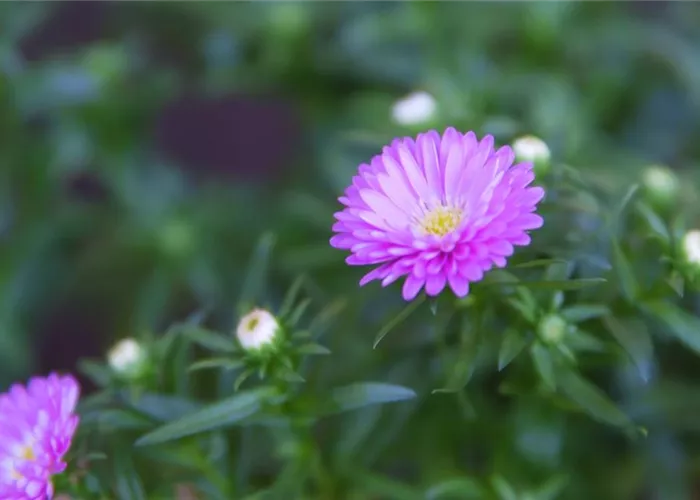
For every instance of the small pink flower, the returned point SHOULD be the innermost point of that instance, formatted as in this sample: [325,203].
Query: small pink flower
[440,210]
[37,423]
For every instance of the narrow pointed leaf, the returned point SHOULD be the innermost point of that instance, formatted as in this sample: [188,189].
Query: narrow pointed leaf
[242,378]
[298,312]
[655,223]
[210,340]
[591,399]
[625,274]
[583,312]
[354,396]
[634,338]
[539,263]
[463,369]
[513,344]
[542,358]
[396,320]
[461,487]
[291,297]
[222,363]
[680,324]
[216,416]
[254,282]
[313,349]
[565,285]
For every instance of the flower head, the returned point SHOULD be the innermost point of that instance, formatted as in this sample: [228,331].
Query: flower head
[439,210]
[661,185]
[37,423]
[128,358]
[534,150]
[257,329]
[415,109]
[691,247]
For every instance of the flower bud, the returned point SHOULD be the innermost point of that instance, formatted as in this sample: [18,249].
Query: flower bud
[257,329]
[533,150]
[128,358]
[690,246]
[417,108]
[552,329]
[660,186]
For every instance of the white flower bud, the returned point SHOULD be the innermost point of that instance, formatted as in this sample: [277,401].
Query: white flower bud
[128,358]
[534,150]
[691,248]
[416,108]
[660,185]
[257,329]
[552,328]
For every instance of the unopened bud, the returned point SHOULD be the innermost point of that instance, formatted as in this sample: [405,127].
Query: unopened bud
[128,358]
[257,329]
[417,108]
[661,186]
[533,150]
[691,249]
[552,329]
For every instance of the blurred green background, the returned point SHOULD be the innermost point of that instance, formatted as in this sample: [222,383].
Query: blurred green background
[146,147]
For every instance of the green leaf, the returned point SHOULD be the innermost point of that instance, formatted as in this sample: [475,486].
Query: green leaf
[565,285]
[591,399]
[242,378]
[542,358]
[98,373]
[623,269]
[463,369]
[539,263]
[298,312]
[460,488]
[682,325]
[359,395]
[223,363]
[504,490]
[376,486]
[583,312]
[513,344]
[580,340]
[634,338]
[655,223]
[313,349]
[619,211]
[210,340]
[161,407]
[127,482]
[118,419]
[552,489]
[396,320]
[257,272]
[291,297]
[215,416]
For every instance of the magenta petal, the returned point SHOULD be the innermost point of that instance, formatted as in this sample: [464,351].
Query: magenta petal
[459,284]
[434,284]
[412,286]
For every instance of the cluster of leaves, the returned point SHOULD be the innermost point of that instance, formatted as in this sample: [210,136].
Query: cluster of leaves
[542,384]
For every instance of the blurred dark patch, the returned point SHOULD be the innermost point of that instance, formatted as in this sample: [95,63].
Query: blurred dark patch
[237,137]
[649,10]
[86,187]
[70,25]
[69,332]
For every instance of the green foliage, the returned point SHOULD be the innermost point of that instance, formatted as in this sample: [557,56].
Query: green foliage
[570,374]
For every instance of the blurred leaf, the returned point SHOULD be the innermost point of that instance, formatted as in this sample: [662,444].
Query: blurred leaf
[460,488]
[298,312]
[463,369]
[634,338]
[210,340]
[682,325]
[98,373]
[542,357]
[623,269]
[396,320]
[116,419]
[583,312]
[291,297]
[219,415]
[552,489]
[127,482]
[504,490]
[619,211]
[361,394]
[257,272]
[575,284]
[385,487]
[591,399]
[513,344]
[655,223]
[162,407]
[313,349]
[223,363]
[539,263]
[242,378]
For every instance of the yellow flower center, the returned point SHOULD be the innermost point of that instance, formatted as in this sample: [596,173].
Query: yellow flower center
[441,220]
[27,453]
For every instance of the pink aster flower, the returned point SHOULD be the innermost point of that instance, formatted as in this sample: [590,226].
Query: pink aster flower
[439,210]
[37,423]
